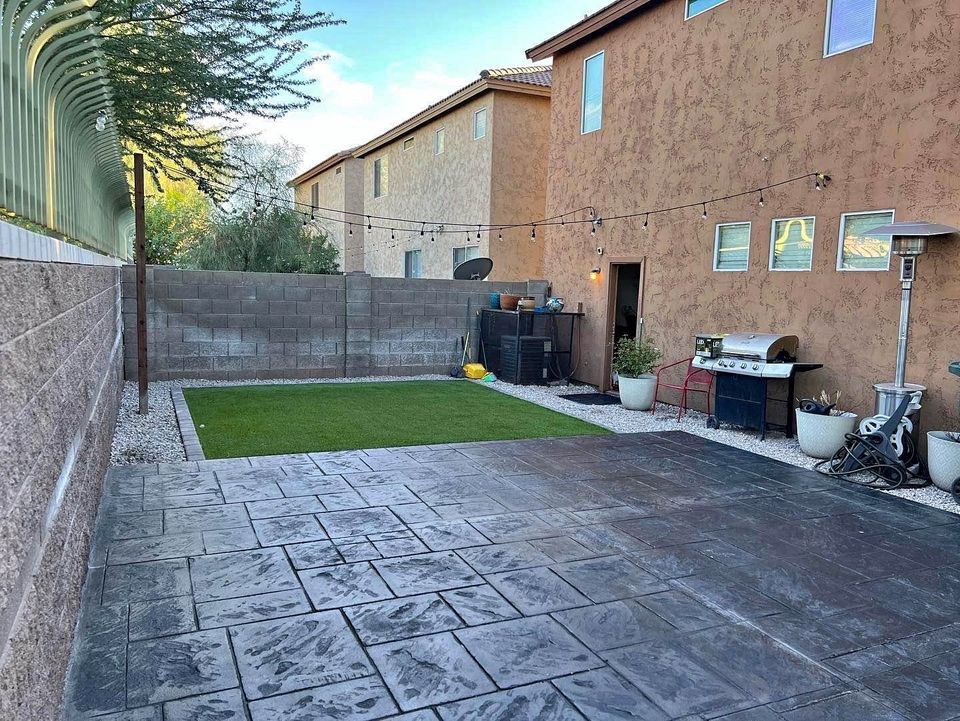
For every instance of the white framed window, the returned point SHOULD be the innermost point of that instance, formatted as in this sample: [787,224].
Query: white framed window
[408,143]
[695,7]
[411,264]
[339,170]
[438,141]
[380,176]
[850,25]
[858,251]
[480,124]
[591,104]
[731,247]
[461,255]
[791,243]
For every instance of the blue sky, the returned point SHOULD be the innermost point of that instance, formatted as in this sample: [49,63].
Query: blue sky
[394,58]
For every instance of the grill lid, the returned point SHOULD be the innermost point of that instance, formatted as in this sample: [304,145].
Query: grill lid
[761,346]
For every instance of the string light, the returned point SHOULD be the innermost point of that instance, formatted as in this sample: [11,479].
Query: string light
[369,224]
[500,235]
[351,229]
[761,198]
[704,216]
[533,232]
[478,232]
[646,221]
[392,236]
[421,228]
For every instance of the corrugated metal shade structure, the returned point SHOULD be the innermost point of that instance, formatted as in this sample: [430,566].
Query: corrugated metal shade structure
[57,168]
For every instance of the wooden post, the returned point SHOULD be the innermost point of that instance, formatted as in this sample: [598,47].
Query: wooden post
[141,260]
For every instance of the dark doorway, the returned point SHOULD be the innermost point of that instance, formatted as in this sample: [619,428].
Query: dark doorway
[624,308]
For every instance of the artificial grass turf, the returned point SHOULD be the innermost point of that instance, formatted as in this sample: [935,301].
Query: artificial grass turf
[234,421]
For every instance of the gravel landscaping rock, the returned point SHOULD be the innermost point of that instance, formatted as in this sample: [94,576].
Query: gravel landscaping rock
[155,438]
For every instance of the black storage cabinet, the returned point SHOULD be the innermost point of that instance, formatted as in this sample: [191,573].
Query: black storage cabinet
[496,326]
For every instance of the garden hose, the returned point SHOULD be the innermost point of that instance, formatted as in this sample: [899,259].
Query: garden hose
[866,454]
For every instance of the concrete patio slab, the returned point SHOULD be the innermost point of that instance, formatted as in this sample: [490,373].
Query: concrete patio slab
[650,576]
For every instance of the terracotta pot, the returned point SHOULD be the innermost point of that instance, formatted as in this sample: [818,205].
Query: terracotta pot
[509,301]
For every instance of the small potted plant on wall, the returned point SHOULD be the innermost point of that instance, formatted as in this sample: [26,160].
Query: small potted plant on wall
[633,361]
[943,458]
[822,426]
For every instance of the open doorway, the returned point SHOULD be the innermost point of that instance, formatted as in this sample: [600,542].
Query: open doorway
[624,309]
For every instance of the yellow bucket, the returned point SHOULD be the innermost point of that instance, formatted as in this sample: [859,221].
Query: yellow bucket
[474,370]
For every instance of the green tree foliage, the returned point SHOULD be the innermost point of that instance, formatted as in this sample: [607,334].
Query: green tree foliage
[177,218]
[185,72]
[272,240]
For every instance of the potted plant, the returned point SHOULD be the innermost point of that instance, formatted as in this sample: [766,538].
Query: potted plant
[633,361]
[822,427]
[943,458]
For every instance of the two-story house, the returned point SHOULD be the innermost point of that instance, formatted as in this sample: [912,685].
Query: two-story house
[664,103]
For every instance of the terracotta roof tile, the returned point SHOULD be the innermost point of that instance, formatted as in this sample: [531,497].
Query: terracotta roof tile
[533,75]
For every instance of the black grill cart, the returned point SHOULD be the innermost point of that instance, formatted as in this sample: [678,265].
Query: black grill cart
[510,342]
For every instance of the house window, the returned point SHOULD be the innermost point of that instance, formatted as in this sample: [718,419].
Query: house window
[466,253]
[850,25]
[438,139]
[380,177]
[859,251]
[695,7]
[339,170]
[315,195]
[791,244]
[411,264]
[480,124]
[731,247]
[591,108]
[407,143]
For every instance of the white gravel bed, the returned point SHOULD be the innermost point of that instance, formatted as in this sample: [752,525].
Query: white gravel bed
[155,438]
[620,420]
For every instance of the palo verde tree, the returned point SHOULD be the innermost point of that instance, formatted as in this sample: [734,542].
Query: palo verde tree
[185,72]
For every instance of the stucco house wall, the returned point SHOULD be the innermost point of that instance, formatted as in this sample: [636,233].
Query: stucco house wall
[340,188]
[521,142]
[739,97]
[452,186]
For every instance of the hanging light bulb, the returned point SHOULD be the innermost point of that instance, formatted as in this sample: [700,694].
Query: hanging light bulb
[646,221]
[305,221]
[422,227]
[593,229]
[761,198]
[478,232]
[500,235]
[704,216]
[351,229]
[369,224]
[533,232]
[256,201]
[392,236]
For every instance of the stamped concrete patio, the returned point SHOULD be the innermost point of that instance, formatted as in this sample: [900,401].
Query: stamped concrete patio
[649,576]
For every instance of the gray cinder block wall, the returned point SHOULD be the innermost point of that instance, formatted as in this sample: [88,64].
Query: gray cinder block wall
[233,325]
[60,378]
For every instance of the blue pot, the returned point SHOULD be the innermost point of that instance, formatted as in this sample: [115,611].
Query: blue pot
[495,301]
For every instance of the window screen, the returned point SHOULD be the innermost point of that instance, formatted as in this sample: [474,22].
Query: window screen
[732,246]
[480,124]
[380,177]
[438,139]
[850,24]
[695,7]
[411,264]
[791,244]
[466,253]
[859,251]
[592,108]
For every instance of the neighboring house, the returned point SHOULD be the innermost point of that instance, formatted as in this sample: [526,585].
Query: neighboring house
[477,156]
[658,103]
[334,188]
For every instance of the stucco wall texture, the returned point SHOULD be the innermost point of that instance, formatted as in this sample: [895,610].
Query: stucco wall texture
[739,97]
[59,390]
[499,178]
[338,191]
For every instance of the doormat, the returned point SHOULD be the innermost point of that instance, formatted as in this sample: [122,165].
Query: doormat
[593,399]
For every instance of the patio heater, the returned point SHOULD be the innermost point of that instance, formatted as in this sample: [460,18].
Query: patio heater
[909,241]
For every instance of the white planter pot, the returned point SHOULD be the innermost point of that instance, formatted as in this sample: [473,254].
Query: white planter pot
[822,436]
[943,459]
[636,394]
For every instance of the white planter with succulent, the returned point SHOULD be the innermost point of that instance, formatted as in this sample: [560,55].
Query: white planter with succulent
[822,430]
[943,458]
[633,361]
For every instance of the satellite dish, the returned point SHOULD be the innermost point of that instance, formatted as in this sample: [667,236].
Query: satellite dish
[473,269]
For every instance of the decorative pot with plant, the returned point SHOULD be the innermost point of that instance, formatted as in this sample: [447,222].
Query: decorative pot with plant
[633,361]
[822,426]
[943,458]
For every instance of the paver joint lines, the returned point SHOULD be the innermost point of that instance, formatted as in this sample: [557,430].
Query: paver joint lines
[646,576]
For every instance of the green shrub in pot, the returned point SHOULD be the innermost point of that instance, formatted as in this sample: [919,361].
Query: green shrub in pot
[633,361]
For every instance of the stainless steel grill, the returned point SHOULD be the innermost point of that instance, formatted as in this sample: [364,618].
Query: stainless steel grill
[762,355]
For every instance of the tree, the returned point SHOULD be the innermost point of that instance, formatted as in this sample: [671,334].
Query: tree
[186,71]
[177,218]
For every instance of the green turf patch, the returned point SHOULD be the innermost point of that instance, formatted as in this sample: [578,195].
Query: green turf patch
[262,420]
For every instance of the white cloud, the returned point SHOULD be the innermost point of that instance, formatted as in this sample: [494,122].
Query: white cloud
[352,112]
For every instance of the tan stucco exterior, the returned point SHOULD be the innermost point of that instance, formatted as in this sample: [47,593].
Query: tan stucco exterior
[499,178]
[739,97]
[340,188]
